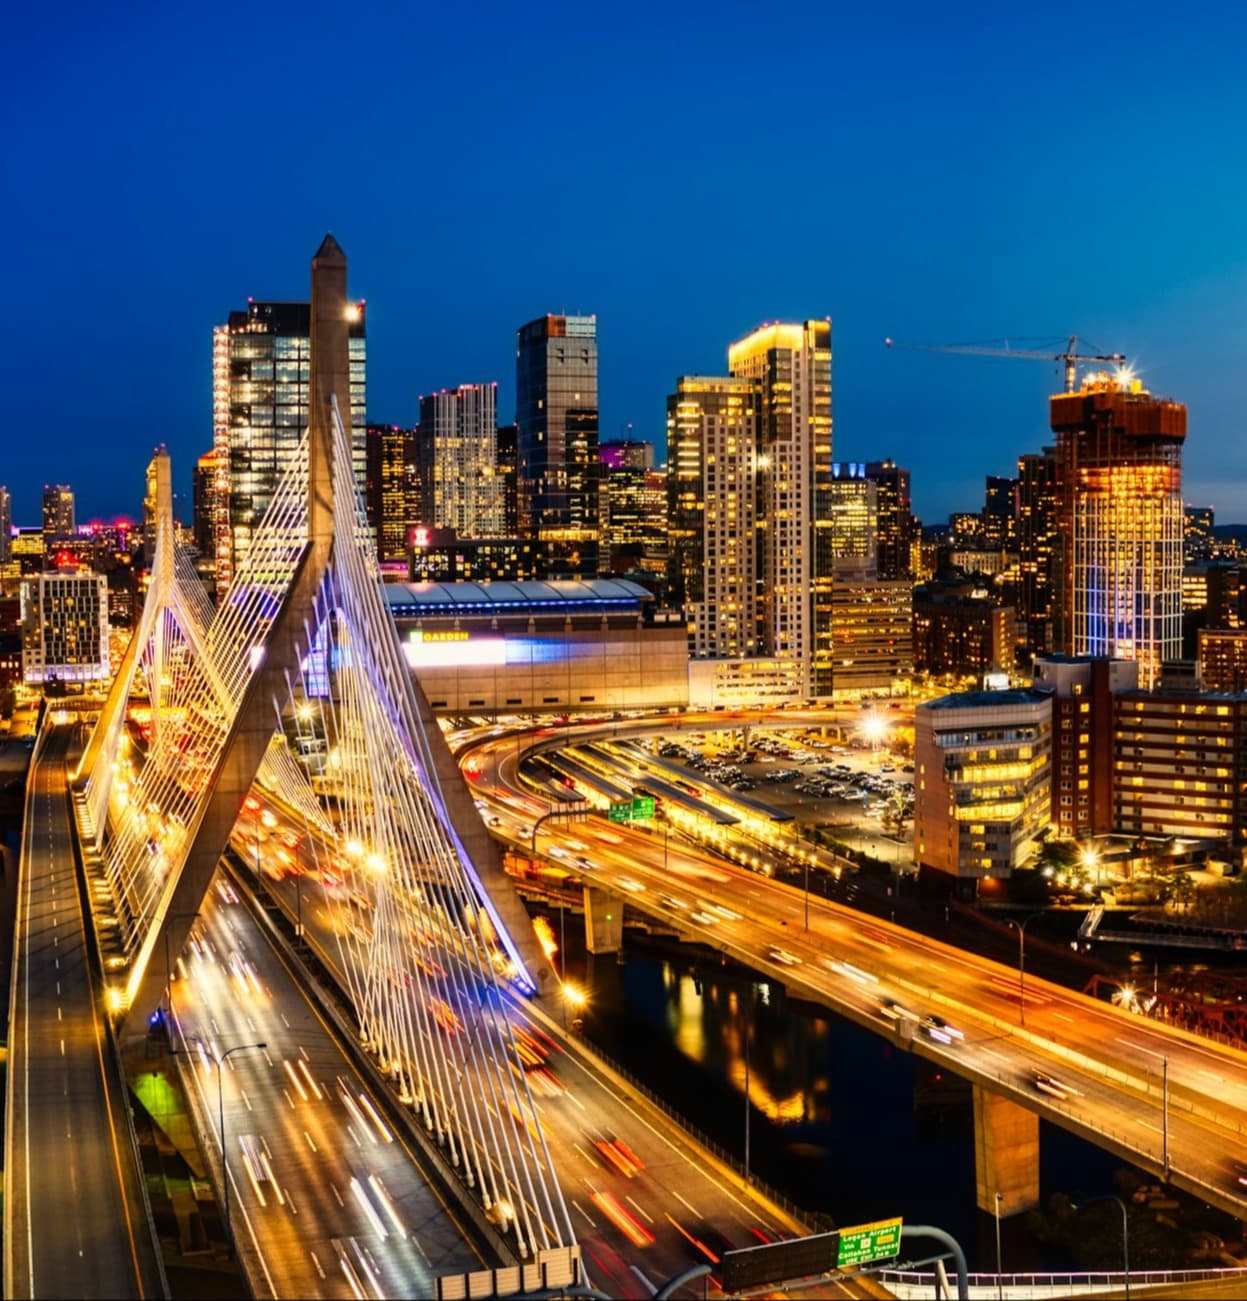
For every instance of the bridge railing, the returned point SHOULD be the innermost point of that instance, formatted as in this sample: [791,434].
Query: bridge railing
[910,1284]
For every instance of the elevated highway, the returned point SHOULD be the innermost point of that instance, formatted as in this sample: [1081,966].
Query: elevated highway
[76,1221]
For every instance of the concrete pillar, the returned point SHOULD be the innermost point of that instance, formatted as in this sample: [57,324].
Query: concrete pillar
[603,921]
[1006,1154]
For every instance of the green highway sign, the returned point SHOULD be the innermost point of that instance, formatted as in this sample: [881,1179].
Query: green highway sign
[862,1244]
[639,809]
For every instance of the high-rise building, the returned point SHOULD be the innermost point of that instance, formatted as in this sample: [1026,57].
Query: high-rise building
[791,364]
[854,522]
[1038,541]
[628,454]
[6,524]
[389,453]
[712,575]
[58,513]
[458,458]
[206,508]
[1198,539]
[556,415]
[1000,513]
[1119,493]
[508,476]
[897,532]
[260,368]
[959,628]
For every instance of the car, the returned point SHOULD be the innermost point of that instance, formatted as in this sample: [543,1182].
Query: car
[935,1027]
[895,1011]
[785,958]
[1049,1084]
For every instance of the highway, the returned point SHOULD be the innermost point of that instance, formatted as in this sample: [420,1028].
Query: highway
[1129,1084]
[646,1201]
[75,1220]
[326,1199]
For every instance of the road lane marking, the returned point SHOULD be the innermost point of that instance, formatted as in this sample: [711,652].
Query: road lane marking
[310,1144]
[687,1203]
[592,1224]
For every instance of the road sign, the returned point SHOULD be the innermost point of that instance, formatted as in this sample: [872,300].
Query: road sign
[862,1244]
[779,1262]
[639,809]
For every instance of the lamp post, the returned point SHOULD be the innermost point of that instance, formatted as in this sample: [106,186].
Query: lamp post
[1164,1106]
[220,1106]
[999,1282]
[1125,1230]
[1020,927]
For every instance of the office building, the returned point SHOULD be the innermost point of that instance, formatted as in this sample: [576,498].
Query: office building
[897,532]
[982,763]
[872,641]
[65,628]
[791,365]
[437,555]
[389,458]
[1000,513]
[712,517]
[556,415]
[6,525]
[854,523]
[627,454]
[260,368]
[1083,690]
[1119,495]
[508,475]
[58,513]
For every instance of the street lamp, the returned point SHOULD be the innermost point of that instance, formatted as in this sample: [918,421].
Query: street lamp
[1020,927]
[220,1106]
[1164,1106]
[1125,1230]
[999,1281]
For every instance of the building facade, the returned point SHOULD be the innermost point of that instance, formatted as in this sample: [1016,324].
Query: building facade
[896,529]
[389,459]
[1119,493]
[872,639]
[791,364]
[65,628]
[58,513]
[712,514]
[1038,543]
[261,360]
[982,770]
[458,459]
[540,647]
[959,628]
[854,523]
[556,416]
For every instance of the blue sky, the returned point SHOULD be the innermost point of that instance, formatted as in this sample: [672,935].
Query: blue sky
[682,171]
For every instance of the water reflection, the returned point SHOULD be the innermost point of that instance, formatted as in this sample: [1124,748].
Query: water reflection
[841,1120]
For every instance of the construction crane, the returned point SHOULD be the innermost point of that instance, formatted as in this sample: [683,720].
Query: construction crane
[1070,357]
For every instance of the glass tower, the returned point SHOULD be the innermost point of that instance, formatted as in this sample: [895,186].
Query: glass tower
[261,361]
[556,413]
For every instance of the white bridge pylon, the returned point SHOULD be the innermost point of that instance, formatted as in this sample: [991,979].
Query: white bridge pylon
[295,692]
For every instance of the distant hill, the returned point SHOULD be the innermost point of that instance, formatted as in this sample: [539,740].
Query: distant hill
[1230,532]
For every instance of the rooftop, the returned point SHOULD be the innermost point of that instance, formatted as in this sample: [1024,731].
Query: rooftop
[988,699]
[498,597]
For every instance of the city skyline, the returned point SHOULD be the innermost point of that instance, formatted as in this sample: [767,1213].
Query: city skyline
[929,199]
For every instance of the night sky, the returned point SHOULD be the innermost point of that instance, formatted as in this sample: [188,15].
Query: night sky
[683,171]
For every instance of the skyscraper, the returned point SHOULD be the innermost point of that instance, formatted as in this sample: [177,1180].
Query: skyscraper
[261,360]
[58,513]
[1039,542]
[1119,495]
[458,457]
[390,454]
[854,523]
[207,515]
[556,414]
[6,525]
[896,520]
[712,449]
[791,363]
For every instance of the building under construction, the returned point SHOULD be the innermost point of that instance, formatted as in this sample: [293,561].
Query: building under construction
[1119,503]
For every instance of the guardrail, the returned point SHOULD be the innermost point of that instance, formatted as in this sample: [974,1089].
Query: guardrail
[910,1284]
